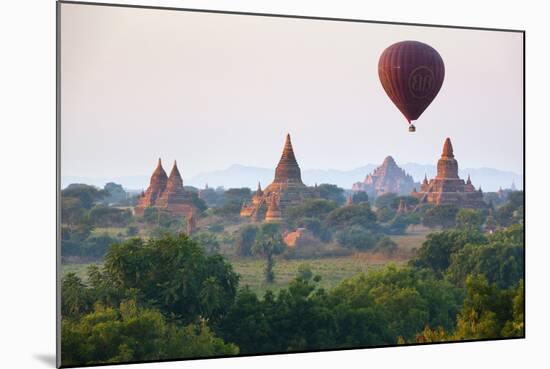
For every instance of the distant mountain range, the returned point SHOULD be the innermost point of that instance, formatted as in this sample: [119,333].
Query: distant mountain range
[242,176]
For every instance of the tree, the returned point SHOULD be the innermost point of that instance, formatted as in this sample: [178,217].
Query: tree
[315,226]
[386,200]
[312,208]
[233,200]
[174,274]
[482,313]
[245,240]
[440,216]
[356,237]
[107,216]
[75,299]
[469,219]
[331,192]
[72,211]
[437,249]
[500,260]
[402,300]
[399,224]
[212,197]
[385,214]
[95,246]
[305,272]
[512,211]
[162,218]
[208,241]
[386,246]
[347,216]
[114,193]
[360,197]
[130,333]
[88,195]
[268,243]
[516,326]
[193,197]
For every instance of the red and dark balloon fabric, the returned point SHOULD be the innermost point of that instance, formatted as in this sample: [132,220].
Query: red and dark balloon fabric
[411,73]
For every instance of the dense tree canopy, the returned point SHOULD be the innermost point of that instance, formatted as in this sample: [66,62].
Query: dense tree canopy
[314,208]
[174,275]
[354,215]
[330,192]
[129,333]
[440,216]
[88,195]
[500,260]
[436,251]
[386,200]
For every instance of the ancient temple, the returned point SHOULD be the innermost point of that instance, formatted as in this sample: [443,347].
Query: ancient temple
[166,193]
[447,187]
[388,177]
[156,187]
[286,189]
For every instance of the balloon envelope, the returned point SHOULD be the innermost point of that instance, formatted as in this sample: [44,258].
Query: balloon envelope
[411,73]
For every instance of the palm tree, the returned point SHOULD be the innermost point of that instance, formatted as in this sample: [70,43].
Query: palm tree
[269,242]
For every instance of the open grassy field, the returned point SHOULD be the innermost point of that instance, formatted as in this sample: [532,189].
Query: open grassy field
[331,269]
[116,232]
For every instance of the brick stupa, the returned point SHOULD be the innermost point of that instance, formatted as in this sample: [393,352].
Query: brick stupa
[447,187]
[388,177]
[166,193]
[287,187]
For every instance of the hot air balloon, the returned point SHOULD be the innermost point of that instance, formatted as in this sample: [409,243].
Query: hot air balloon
[411,73]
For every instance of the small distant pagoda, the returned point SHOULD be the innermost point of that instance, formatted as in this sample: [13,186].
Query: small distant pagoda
[166,193]
[273,213]
[286,189]
[447,187]
[403,208]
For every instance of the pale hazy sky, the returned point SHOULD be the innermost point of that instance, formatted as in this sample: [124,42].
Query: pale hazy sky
[212,90]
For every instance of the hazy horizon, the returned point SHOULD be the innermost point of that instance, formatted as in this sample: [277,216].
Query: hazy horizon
[214,90]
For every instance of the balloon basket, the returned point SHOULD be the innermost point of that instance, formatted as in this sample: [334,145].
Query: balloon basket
[412,128]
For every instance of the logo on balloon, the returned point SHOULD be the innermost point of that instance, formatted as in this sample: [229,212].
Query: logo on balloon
[421,82]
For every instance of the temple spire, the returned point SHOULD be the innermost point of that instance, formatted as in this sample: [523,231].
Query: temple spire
[447,166]
[447,149]
[175,173]
[469,181]
[159,173]
[389,161]
[288,170]
[288,151]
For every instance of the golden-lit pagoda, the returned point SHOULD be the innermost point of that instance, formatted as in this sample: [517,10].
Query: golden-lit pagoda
[286,189]
[166,193]
[447,187]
